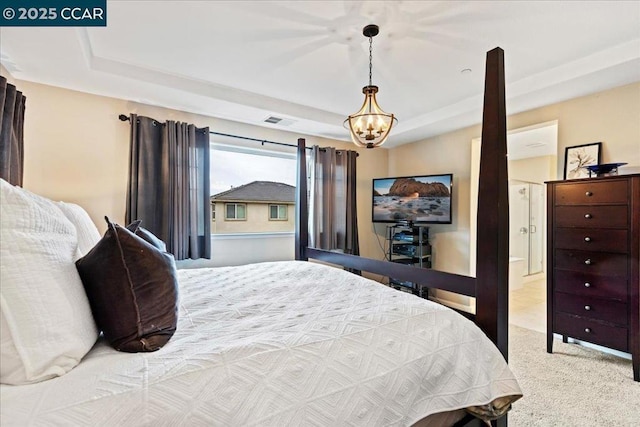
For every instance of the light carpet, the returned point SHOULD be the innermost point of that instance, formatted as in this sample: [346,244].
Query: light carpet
[574,386]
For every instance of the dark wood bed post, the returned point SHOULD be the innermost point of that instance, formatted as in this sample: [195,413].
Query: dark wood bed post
[492,260]
[302,213]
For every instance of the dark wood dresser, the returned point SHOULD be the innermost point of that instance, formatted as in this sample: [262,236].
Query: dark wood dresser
[593,257]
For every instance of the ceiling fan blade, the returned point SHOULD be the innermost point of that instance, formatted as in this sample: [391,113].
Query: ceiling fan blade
[274,10]
[281,34]
[352,7]
[454,41]
[444,12]
[293,54]
[359,62]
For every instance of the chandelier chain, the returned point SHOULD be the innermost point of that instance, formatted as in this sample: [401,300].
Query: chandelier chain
[370,57]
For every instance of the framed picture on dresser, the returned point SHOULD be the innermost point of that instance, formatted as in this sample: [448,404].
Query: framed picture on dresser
[576,159]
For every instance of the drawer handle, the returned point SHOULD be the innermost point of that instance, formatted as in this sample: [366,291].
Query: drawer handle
[588,216]
[587,330]
[587,307]
[587,285]
[587,239]
[588,194]
[587,261]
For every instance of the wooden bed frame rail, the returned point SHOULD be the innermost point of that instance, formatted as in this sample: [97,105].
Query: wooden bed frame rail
[432,278]
[490,287]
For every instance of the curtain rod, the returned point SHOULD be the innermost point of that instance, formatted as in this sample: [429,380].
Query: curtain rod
[262,141]
[125,118]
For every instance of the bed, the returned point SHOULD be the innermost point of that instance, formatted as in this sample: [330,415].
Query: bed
[302,343]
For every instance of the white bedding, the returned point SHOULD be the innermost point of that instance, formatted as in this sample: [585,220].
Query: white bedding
[285,343]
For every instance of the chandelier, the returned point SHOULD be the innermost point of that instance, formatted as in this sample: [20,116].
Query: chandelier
[370,126]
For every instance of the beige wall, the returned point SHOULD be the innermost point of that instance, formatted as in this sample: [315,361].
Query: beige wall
[533,169]
[611,116]
[449,153]
[257,220]
[77,150]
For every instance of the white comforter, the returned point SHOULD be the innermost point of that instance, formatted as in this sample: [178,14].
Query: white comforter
[275,344]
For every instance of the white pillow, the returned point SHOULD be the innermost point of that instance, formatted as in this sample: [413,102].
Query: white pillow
[88,234]
[43,306]
[12,367]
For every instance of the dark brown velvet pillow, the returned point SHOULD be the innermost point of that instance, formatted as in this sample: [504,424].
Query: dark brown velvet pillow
[132,287]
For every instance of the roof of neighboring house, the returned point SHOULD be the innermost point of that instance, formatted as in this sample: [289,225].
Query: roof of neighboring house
[258,191]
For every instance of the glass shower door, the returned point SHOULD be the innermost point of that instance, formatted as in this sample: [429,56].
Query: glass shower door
[536,228]
[526,210]
[519,223]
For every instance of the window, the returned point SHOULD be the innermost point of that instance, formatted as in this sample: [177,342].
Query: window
[235,211]
[213,212]
[278,212]
[252,187]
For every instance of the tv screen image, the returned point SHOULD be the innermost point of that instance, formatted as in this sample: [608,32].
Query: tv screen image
[421,199]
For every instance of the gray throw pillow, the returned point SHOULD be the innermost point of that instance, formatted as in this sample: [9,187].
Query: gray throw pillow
[132,287]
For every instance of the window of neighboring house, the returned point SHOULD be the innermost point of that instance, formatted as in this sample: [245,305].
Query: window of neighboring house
[213,212]
[278,212]
[235,211]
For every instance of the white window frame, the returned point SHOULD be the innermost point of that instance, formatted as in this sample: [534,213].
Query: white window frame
[235,210]
[278,206]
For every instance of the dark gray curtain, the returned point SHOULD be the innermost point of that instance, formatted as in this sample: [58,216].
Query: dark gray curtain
[333,219]
[169,184]
[12,106]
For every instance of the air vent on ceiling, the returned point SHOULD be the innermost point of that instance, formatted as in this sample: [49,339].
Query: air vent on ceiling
[279,121]
[272,119]
[535,144]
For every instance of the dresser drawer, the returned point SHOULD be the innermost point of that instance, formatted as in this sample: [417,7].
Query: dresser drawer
[593,308]
[602,263]
[592,216]
[592,192]
[591,330]
[574,282]
[588,239]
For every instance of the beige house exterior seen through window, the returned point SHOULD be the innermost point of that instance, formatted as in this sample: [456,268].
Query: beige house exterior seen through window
[257,207]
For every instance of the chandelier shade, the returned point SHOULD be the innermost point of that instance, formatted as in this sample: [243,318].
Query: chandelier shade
[370,126]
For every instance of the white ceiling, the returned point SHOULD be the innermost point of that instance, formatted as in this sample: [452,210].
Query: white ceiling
[307,61]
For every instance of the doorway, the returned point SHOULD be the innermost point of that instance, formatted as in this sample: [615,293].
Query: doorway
[533,160]
[532,153]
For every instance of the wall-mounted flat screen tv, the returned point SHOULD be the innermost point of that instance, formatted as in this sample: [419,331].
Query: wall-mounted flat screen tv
[424,199]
